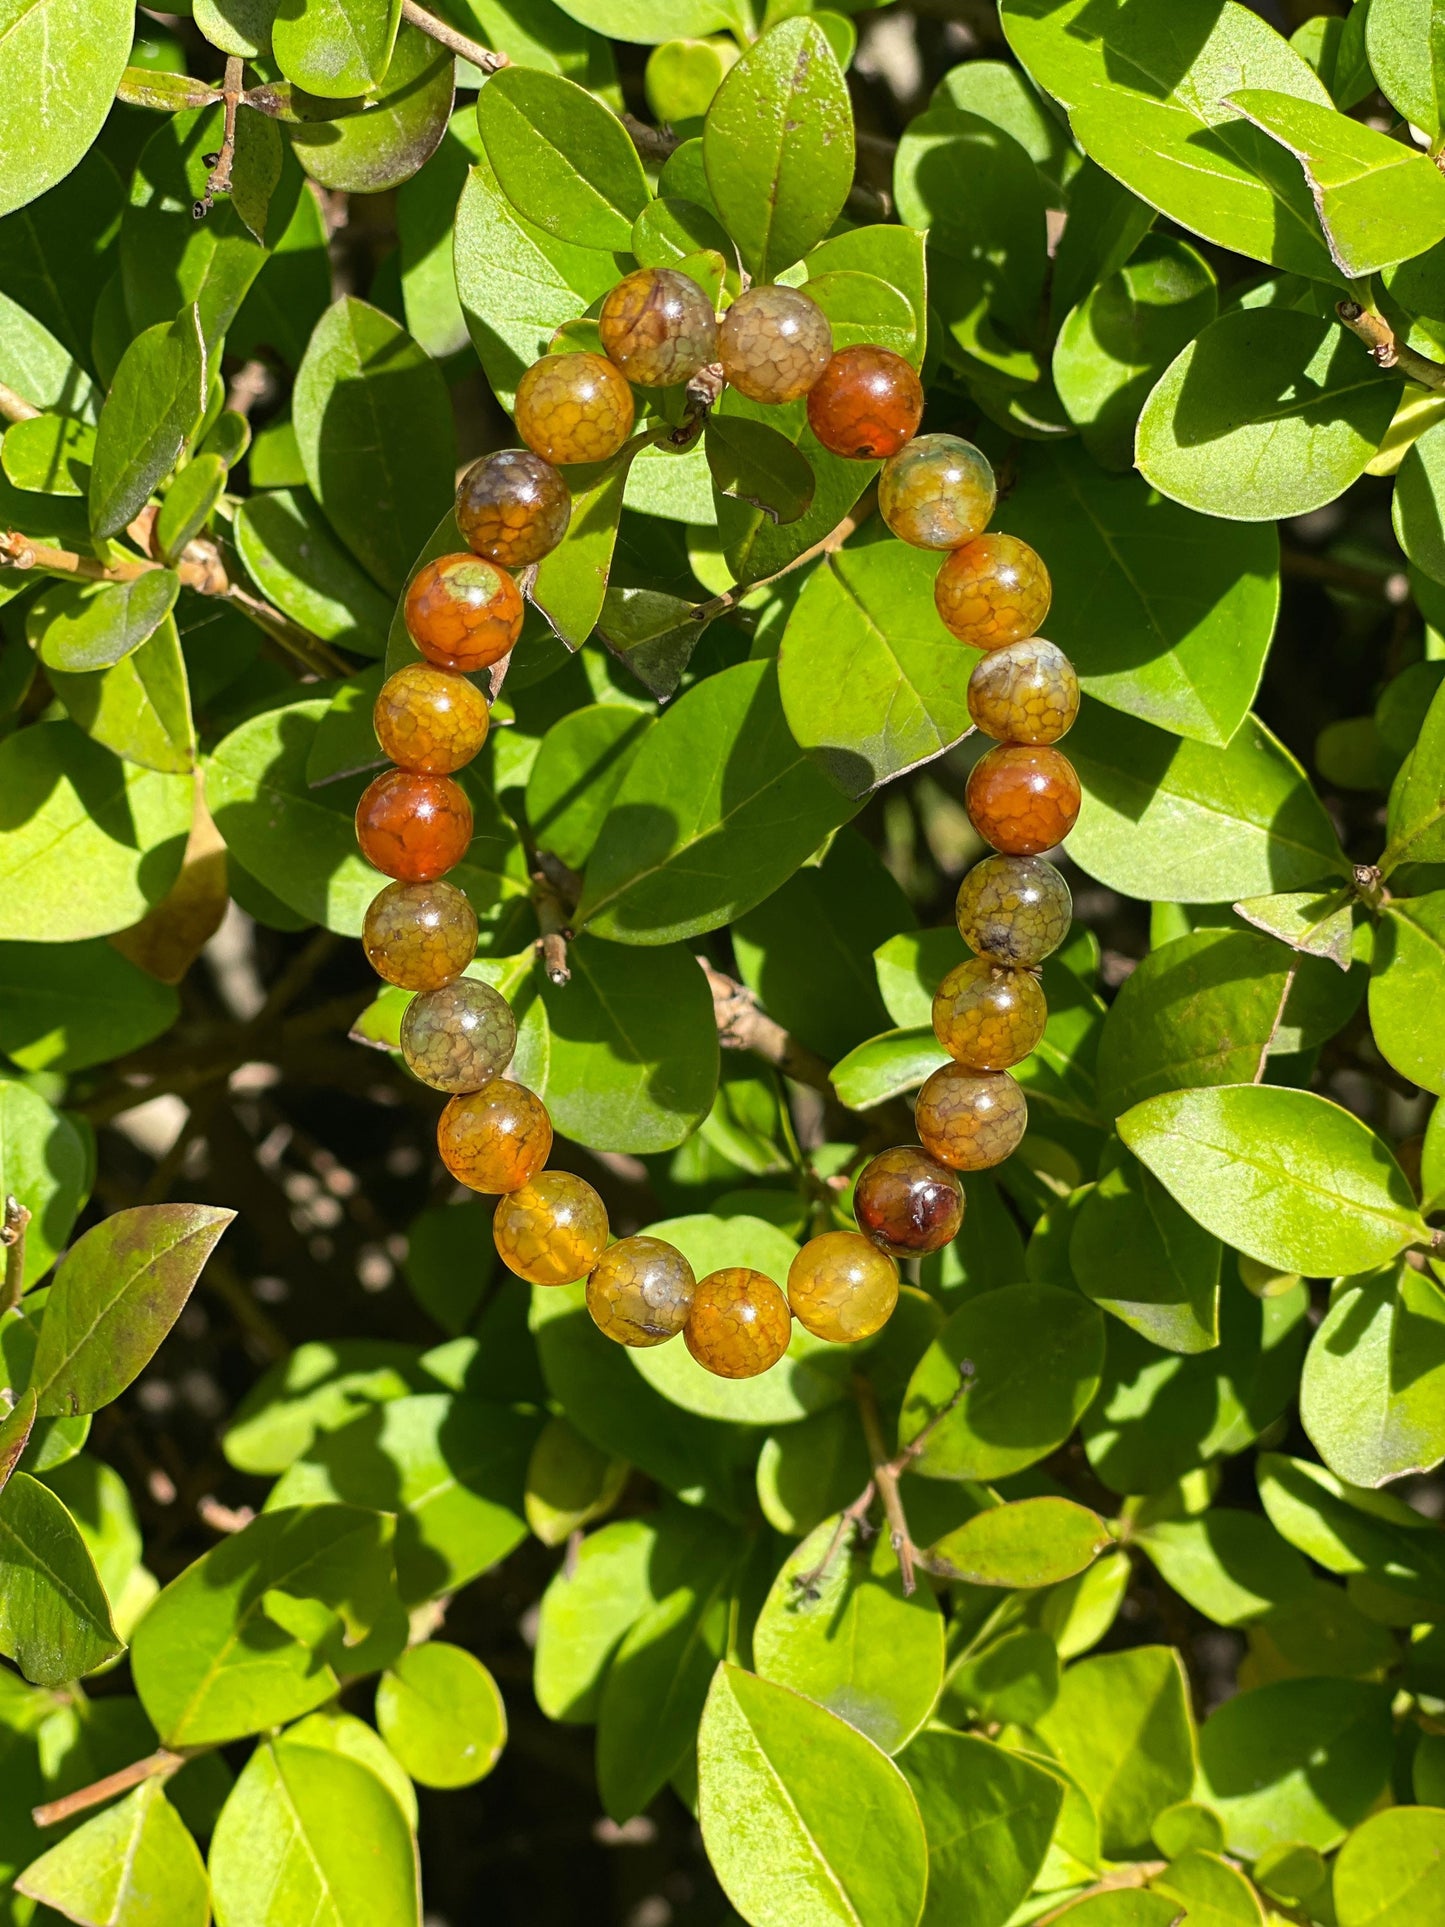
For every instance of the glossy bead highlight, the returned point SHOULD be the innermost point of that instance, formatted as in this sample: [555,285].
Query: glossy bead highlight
[411,827]
[463,612]
[866,404]
[512,507]
[1014,908]
[1022,800]
[908,1203]
[739,1324]
[420,935]
[842,1287]
[640,1291]
[993,591]
[1026,692]
[987,1016]
[495,1139]
[551,1231]
[938,492]
[970,1120]
[658,327]
[774,343]
[574,408]
[460,1037]
[430,721]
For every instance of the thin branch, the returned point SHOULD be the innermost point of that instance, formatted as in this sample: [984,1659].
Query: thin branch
[855,1517]
[555,890]
[1380,585]
[830,544]
[1386,348]
[742,1024]
[15,408]
[1266,1046]
[159,1765]
[885,1477]
[1138,1874]
[448,37]
[653,143]
[219,180]
[12,1237]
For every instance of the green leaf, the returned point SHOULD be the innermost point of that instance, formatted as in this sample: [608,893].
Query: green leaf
[131,1866]
[57,288]
[286,300]
[190,502]
[871,681]
[311,1834]
[316,1388]
[569,1482]
[1286,1176]
[778,146]
[1372,1397]
[1182,822]
[718,807]
[334,1732]
[1269,412]
[44,1162]
[374,426]
[1299,1759]
[334,49]
[1416,820]
[1231,1566]
[1405,40]
[115,1296]
[1025,1544]
[988,1816]
[793,1800]
[1105,225]
[297,563]
[1379,200]
[1388,1871]
[1036,1352]
[54,1620]
[82,626]
[1215,1893]
[650,22]
[375,150]
[755,464]
[576,773]
[1122,1727]
[140,707]
[154,407]
[571,583]
[87,843]
[563,160]
[1127,1909]
[440,1713]
[15,1430]
[58,74]
[1319,923]
[1419,488]
[589,1604]
[1407,985]
[49,454]
[1346,1529]
[426,206]
[1138,1255]
[852,1640]
[211,1658]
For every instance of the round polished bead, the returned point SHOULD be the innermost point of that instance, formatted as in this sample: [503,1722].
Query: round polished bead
[551,1231]
[774,343]
[1014,908]
[1021,799]
[970,1120]
[658,327]
[640,1291]
[938,492]
[907,1202]
[739,1324]
[512,507]
[495,1139]
[866,404]
[420,935]
[460,1037]
[842,1287]
[574,408]
[994,590]
[430,720]
[1026,692]
[987,1016]
[463,612]
[413,827]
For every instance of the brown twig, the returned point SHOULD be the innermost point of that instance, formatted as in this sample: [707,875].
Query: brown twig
[219,180]
[12,1237]
[159,1765]
[854,1517]
[885,1477]
[15,408]
[1138,1874]
[1386,348]
[554,897]
[742,1024]
[830,544]
[653,143]
[448,37]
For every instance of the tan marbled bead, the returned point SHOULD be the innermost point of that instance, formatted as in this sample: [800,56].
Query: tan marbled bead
[1014,908]
[1026,692]
[573,408]
[640,1291]
[420,935]
[987,1016]
[739,1324]
[495,1139]
[993,591]
[659,327]
[774,343]
[460,1037]
[842,1287]
[970,1120]
[1023,799]
[430,720]
[551,1231]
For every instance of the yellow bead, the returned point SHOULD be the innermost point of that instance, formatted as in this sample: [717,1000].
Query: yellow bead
[842,1287]
[739,1324]
[641,1291]
[551,1231]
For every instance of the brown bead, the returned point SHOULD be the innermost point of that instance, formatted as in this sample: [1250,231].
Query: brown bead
[512,507]
[1026,692]
[574,408]
[413,827]
[1021,799]
[774,343]
[1014,908]
[658,327]
[842,1287]
[420,935]
[867,403]
[908,1203]
[463,612]
[460,1037]
[495,1139]
[551,1231]
[970,1120]
[993,591]
[988,1016]
[430,720]
[640,1291]
[739,1324]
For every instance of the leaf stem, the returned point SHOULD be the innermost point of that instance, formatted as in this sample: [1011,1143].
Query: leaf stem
[15,408]
[219,179]
[12,1237]
[159,1765]
[833,541]
[1386,348]
[1137,1874]
[448,37]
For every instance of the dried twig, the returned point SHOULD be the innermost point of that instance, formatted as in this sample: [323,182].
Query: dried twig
[742,1024]
[15,408]
[159,1765]
[219,180]
[12,1237]
[1387,349]
[448,37]
[853,1518]
[555,890]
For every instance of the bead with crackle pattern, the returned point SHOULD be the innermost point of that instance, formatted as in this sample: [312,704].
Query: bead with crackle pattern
[987,1016]
[460,1037]
[866,404]
[739,1324]
[907,1202]
[429,720]
[842,1287]
[1026,692]
[512,507]
[659,327]
[413,827]
[1015,908]
[938,492]
[495,1139]
[994,590]
[970,1120]
[574,408]
[420,935]
[774,343]
[1022,799]
[640,1291]
[551,1231]
[463,612]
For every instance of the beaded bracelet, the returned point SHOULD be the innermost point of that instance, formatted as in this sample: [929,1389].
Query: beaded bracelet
[464,613]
